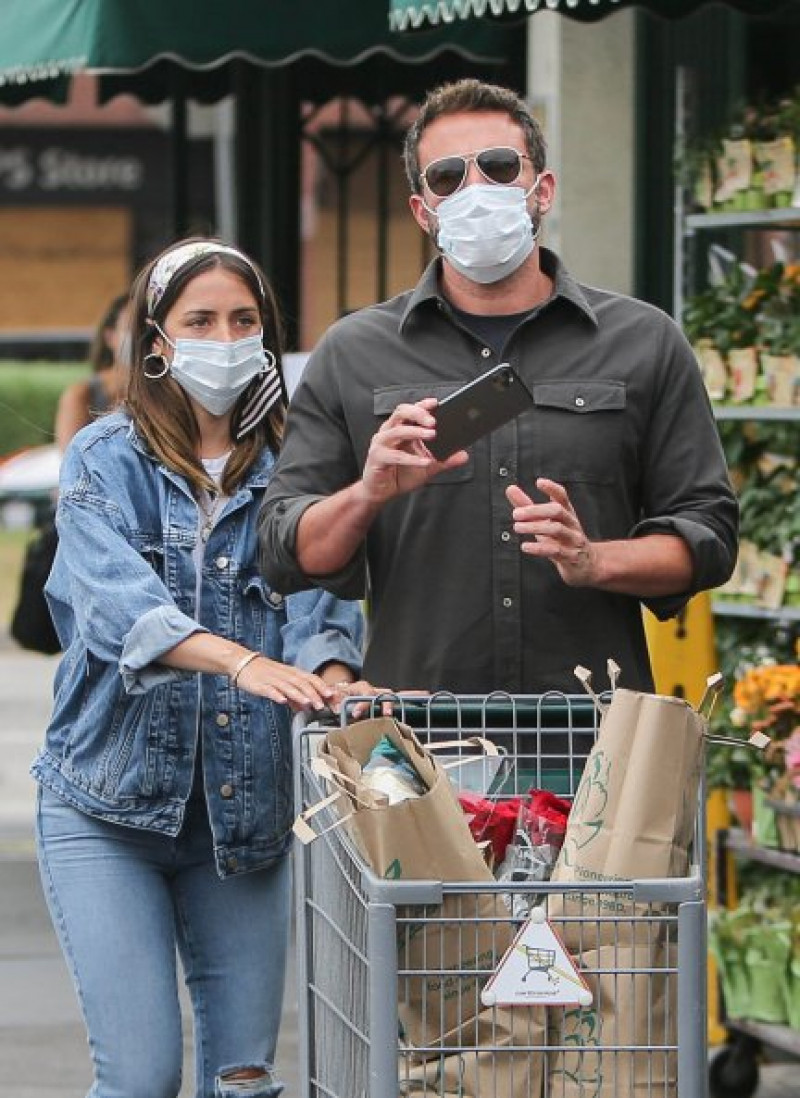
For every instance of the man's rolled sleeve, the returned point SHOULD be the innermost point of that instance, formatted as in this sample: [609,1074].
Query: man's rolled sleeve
[155,633]
[713,557]
[277,536]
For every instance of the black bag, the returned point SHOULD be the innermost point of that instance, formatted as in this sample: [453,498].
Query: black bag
[32,625]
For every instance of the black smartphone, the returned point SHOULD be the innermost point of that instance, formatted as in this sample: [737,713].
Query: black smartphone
[478,408]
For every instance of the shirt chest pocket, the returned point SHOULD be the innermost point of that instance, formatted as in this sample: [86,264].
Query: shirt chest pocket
[579,432]
[386,400]
[151,548]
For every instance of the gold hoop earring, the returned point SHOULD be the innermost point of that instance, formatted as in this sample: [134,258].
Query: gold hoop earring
[164,363]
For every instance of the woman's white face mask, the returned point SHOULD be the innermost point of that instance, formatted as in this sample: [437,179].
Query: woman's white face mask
[216,373]
[485,230]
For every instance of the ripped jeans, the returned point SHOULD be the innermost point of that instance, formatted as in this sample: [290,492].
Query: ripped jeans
[122,900]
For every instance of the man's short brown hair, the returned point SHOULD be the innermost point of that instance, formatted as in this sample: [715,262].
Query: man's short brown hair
[471,95]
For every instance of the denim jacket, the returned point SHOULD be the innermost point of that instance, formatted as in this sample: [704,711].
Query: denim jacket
[122,741]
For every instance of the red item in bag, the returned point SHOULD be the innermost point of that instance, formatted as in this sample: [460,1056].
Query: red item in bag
[546,815]
[491,820]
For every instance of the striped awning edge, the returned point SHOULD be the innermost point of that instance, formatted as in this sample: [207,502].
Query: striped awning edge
[410,14]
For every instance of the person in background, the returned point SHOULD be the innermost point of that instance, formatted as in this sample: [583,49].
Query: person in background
[165,803]
[80,403]
[503,567]
[83,401]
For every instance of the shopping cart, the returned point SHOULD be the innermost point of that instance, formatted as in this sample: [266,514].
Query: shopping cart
[540,960]
[640,945]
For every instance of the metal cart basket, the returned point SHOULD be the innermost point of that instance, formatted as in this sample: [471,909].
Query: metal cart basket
[640,945]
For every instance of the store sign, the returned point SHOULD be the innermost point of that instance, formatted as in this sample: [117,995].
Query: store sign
[57,169]
[43,166]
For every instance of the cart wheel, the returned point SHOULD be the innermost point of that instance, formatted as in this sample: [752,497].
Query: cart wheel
[734,1070]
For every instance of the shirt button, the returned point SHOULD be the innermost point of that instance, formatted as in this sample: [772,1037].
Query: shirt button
[223,720]
[507,603]
[486,352]
[221,563]
[275,599]
[579,402]
[226,791]
[502,471]
[505,536]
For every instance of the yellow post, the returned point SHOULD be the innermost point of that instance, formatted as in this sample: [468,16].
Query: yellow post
[682,650]
[683,655]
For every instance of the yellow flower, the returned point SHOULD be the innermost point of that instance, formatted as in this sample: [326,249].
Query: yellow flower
[752,299]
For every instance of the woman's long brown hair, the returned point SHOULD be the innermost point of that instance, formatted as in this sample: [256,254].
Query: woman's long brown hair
[161,409]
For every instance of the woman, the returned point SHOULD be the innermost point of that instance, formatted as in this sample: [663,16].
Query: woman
[165,804]
[82,402]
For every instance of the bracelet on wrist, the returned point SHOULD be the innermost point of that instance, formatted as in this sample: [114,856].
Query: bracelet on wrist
[240,666]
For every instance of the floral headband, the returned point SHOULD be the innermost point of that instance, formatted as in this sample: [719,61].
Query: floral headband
[169,264]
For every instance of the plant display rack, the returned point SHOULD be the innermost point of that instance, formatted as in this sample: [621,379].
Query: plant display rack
[734,1072]
[735,1067]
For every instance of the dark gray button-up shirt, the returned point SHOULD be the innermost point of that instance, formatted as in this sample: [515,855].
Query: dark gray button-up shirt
[620,418]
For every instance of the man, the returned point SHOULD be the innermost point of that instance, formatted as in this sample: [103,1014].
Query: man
[503,567]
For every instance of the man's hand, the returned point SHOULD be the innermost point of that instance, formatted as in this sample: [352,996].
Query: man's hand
[398,460]
[552,530]
[332,530]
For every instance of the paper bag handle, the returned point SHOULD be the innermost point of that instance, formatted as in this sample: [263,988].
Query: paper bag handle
[486,746]
[303,829]
[489,750]
[714,684]
[584,677]
[323,769]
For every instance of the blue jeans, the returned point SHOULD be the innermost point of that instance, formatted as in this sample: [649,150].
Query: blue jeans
[121,900]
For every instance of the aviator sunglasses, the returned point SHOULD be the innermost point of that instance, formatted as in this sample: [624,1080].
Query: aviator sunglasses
[499,165]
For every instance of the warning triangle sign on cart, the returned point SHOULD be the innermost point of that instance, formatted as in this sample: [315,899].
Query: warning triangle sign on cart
[536,970]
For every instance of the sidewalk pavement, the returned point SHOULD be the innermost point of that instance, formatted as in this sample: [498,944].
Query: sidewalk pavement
[42,1041]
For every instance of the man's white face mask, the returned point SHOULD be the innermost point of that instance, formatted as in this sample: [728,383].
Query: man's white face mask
[485,230]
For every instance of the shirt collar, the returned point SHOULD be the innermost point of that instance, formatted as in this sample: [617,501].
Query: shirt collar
[564,285]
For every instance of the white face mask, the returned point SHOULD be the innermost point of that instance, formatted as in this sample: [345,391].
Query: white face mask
[485,230]
[216,373]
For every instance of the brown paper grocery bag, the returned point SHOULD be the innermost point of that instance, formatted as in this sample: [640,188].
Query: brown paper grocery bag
[425,837]
[625,1042]
[633,815]
[504,1060]
[441,949]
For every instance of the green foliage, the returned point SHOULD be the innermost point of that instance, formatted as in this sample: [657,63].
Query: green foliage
[29,393]
[759,122]
[719,314]
[775,298]
[763,460]
[760,971]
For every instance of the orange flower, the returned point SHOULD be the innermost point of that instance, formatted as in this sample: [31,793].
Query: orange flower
[752,300]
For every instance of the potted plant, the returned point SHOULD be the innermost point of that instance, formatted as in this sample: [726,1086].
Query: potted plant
[767,699]
[778,321]
[721,320]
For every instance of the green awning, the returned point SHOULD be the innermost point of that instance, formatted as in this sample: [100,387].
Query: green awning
[42,42]
[413,14]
